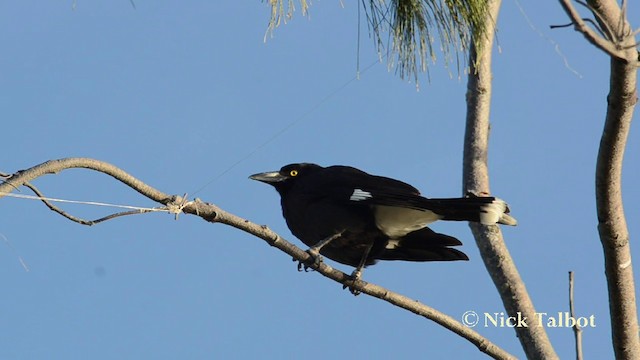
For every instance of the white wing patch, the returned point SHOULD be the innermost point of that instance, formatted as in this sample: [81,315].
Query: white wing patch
[359,195]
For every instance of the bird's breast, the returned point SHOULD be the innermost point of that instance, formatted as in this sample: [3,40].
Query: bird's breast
[316,220]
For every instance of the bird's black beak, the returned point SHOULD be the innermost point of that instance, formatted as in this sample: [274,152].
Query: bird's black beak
[271,177]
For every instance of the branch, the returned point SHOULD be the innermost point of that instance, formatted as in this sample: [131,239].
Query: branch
[577,331]
[490,242]
[590,21]
[80,220]
[612,226]
[611,44]
[214,214]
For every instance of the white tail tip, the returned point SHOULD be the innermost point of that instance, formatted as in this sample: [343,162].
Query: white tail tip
[497,212]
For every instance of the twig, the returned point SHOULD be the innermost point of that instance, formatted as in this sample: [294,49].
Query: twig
[77,219]
[577,331]
[605,30]
[590,21]
[214,214]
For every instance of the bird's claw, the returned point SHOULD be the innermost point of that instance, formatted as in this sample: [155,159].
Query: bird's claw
[314,262]
[356,275]
[303,267]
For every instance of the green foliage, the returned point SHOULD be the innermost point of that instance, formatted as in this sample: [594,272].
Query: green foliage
[411,28]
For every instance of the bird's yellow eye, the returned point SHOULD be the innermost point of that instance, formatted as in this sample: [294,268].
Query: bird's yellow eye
[293,173]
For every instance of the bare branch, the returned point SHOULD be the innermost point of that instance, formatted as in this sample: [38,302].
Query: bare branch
[489,239]
[77,219]
[606,30]
[55,208]
[612,226]
[120,214]
[214,214]
[577,331]
[54,166]
[590,21]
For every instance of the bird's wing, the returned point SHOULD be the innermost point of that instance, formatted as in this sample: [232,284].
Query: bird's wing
[348,184]
[343,184]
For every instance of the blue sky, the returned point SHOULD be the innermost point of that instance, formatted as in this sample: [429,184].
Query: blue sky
[182,96]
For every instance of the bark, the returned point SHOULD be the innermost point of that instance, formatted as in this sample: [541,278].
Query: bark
[612,225]
[619,43]
[493,250]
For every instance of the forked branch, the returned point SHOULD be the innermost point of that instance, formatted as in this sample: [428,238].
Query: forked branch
[616,39]
[612,226]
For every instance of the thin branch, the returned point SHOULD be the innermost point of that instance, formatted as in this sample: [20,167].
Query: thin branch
[595,25]
[120,214]
[493,250]
[623,17]
[55,208]
[606,30]
[590,21]
[80,220]
[214,214]
[577,331]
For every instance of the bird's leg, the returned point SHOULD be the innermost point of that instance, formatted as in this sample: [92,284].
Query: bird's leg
[314,251]
[357,273]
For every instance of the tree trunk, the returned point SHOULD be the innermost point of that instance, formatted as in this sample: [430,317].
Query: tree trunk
[494,253]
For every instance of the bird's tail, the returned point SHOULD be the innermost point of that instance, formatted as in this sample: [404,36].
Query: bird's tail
[423,245]
[483,209]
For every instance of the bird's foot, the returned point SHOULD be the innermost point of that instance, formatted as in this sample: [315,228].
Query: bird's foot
[315,261]
[356,275]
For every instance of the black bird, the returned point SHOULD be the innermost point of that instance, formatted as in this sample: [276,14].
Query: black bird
[356,218]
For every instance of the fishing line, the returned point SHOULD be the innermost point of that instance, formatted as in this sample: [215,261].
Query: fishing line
[286,127]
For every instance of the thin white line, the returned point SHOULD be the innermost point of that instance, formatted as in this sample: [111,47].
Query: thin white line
[33,197]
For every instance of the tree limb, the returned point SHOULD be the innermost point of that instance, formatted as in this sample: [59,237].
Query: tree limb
[489,239]
[612,226]
[214,214]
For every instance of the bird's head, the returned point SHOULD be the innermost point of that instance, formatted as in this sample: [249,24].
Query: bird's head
[286,176]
